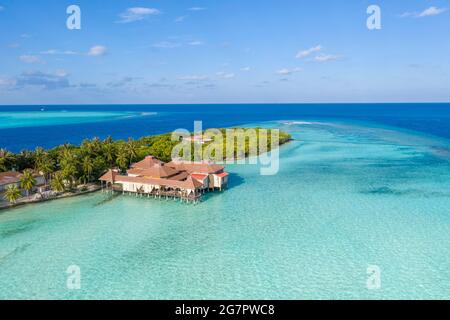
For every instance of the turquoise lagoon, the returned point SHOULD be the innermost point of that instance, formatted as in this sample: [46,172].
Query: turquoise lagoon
[42,118]
[348,195]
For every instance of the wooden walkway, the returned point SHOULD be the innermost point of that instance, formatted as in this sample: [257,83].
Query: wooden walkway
[160,194]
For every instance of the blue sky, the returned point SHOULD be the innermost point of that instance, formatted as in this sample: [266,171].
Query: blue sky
[223,51]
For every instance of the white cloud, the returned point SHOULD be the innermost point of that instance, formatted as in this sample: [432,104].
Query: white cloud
[166,45]
[196,9]
[137,14]
[69,52]
[30,59]
[7,82]
[125,81]
[408,14]
[432,11]
[285,71]
[58,52]
[307,53]
[225,75]
[246,69]
[97,51]
[48,81]
[196,43]
[176,43]
[326,57]
[319,56]
[180,19]
[50,51]
[61,73]
[193,78]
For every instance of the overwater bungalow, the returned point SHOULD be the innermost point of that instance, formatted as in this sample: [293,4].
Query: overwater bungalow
[176,179]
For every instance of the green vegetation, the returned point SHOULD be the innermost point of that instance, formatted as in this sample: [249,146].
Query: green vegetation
[12,194]
[27,181]
[57,182]
[250,144]
[68,165]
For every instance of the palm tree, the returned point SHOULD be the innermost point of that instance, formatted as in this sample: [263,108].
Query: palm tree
[87,147]
[96,145]
[6,154]
[88,168]
[43,162]
[69,165]
[46,166]
[12,194]
[66,146]
[25,159]
[3,152]
[69,171]
[39,155]
[109,152]
[65,151]
[131,148]
[108,140]
[122,159]
[3,165]
[27,181]
[7,159]
[58,182]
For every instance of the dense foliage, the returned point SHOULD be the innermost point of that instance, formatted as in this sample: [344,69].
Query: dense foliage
[67,165]
[244,143]
[12,194]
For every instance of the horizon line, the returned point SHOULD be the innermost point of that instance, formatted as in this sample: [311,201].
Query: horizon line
[213,103]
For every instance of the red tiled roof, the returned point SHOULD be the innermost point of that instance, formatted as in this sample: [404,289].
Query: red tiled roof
[223,174]
[199,176]
[192,183]
[109,176]
[147,163]
[195,167]
[180,177]
[10,177]
[157,171]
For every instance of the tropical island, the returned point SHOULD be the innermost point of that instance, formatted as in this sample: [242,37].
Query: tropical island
[69,170]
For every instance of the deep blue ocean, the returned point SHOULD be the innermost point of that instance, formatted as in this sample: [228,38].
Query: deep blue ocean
[139,120]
